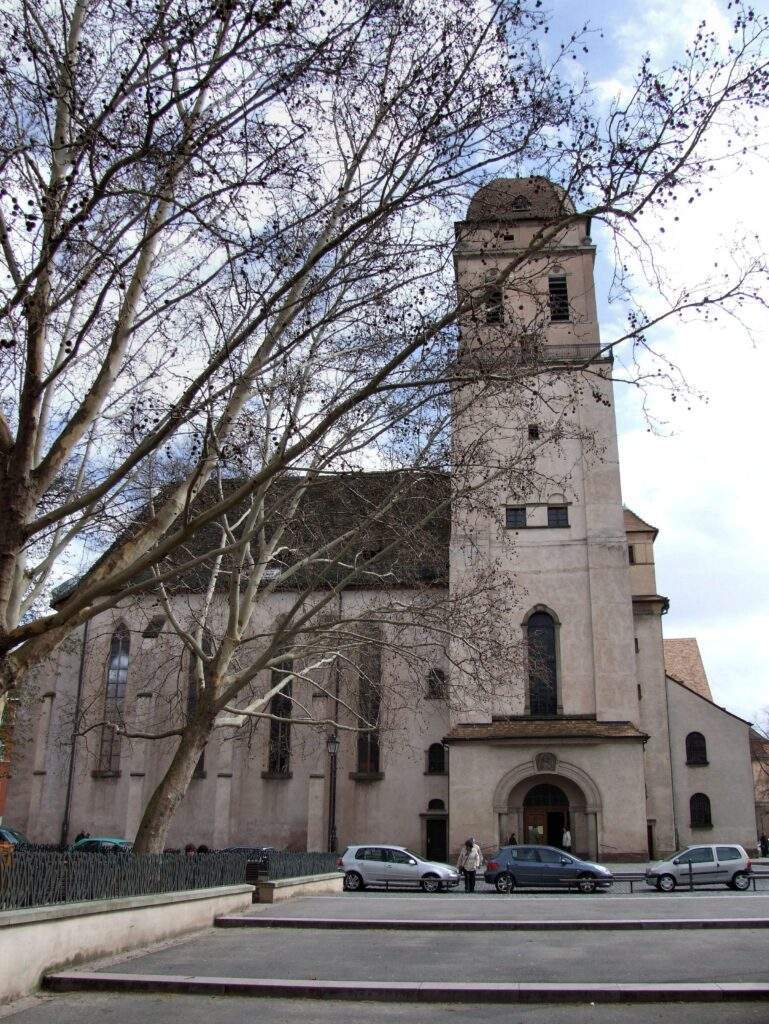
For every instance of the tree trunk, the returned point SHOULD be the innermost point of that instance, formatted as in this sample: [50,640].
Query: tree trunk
[172,788]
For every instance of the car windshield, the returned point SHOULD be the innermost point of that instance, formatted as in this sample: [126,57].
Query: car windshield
[416,856]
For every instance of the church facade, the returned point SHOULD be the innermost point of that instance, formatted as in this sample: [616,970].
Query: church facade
[612,732]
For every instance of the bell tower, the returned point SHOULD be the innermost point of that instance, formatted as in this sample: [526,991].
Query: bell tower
[535,432]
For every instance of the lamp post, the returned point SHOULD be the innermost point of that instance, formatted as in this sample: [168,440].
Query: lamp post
[332,745]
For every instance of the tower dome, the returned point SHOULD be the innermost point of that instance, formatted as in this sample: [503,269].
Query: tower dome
[507,199]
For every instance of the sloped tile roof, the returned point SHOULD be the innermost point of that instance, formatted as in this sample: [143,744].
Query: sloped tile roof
[683,663]
[634,523]
[545,729]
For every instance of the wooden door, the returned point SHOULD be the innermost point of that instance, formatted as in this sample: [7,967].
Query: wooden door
[435,839]
[534,826]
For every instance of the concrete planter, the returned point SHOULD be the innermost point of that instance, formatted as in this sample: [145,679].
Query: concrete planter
[37,940]
[308,885]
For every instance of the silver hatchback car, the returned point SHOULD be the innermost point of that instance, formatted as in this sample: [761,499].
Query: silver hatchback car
[710,864]
[393,866]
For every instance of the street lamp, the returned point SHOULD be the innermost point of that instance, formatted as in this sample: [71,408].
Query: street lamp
[332,745]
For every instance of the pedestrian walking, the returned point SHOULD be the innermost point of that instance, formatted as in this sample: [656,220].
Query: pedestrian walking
[513,840]
[764,845]
[470,859]
[566,840]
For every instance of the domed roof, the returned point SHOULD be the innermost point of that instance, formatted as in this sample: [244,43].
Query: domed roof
[532,198]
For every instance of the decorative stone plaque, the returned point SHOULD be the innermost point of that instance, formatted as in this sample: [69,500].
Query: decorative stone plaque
[545,762]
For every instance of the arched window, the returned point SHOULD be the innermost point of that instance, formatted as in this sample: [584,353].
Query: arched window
[558,295]
[369,706]
[436,805]
[494,303]
[543,688]
[115,687]
[436,684]
[699,811]
[279,750]
[545,795]
[436,758]
[696,749]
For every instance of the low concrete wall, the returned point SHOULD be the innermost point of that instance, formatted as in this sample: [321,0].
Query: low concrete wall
[37,940]
[307,885]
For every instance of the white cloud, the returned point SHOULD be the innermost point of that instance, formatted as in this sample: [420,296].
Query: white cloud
[704,485]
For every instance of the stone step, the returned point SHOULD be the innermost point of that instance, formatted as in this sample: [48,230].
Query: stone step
[416,992]
[419,924]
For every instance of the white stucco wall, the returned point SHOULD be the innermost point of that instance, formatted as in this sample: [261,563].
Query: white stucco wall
[727,779]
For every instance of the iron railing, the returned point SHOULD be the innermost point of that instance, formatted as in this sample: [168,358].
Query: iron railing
[289,864]
[44,877]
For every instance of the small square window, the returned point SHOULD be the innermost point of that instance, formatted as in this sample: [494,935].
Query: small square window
[557,515]
[515,518]
[534,431]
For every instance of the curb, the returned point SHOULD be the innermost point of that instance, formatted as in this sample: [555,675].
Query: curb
[419,992]
[383,924]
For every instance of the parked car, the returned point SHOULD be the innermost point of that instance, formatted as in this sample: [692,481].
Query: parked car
[101,844]
[368,864]
[12,836]
[526,866]
[727,863]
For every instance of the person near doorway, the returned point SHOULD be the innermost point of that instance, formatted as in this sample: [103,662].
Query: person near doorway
[764,845]
[513,840]
[470,859]
[566,840]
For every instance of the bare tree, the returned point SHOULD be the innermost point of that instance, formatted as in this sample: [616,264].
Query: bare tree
[226,250]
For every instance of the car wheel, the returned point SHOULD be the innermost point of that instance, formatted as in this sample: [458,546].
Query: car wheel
[586,883]
[431,883]
[353,882]
[740,882]
[504,882]
[666,883]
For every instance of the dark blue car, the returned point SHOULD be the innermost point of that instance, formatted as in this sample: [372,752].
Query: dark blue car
[544,866]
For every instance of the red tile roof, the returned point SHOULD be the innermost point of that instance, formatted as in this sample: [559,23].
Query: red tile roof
[683,663]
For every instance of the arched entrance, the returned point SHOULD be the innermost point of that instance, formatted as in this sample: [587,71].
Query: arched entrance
[582,802]
[545,814]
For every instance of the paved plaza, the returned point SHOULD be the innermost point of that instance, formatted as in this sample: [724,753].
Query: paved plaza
[369,944]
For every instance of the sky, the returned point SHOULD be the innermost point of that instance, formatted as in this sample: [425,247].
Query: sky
[701,475]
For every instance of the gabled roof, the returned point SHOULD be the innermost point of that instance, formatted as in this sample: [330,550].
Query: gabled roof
[634,523]
[683,663]
[718,707]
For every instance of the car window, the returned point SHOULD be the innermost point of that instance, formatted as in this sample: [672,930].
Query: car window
[87,847]
[702,855]
[728,853]
[369,853]
[549,856]
[399,857]
[526,853]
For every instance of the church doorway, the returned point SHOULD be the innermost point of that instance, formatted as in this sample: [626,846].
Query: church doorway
[545,814]
[436,847]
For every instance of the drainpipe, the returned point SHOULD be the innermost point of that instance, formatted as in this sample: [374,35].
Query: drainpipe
[75,726]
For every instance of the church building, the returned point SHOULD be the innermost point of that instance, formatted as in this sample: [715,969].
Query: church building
[612,732]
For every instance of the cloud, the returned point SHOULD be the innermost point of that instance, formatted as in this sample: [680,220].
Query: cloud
[702,481]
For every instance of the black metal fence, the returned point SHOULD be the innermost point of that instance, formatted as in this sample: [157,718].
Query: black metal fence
[36,877]
[288,864]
